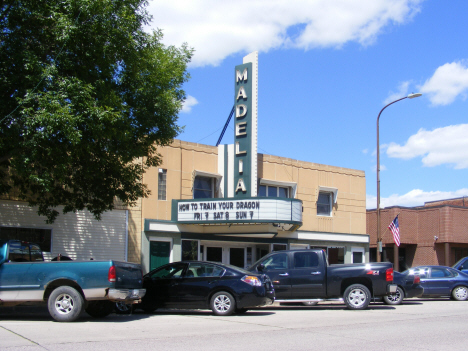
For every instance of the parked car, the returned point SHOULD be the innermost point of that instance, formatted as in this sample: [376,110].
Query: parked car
[462,265]
[222,288]
[305,276]
[440,281]
[67,287]
[409,285]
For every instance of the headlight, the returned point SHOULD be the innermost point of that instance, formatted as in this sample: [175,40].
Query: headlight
[251,280]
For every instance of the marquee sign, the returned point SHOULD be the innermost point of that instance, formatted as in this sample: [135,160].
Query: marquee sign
[245,127]
[248,210]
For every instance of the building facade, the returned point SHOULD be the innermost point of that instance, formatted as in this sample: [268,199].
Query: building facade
[433,234]
[225,203]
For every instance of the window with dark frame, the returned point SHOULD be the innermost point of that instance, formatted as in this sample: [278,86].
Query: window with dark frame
[203,187]
[273,191]
[162,175]
[324,204]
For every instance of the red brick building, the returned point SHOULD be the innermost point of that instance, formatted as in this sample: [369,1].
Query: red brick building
[436,233]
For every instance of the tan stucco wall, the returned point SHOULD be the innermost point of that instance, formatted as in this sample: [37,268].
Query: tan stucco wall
[182,158]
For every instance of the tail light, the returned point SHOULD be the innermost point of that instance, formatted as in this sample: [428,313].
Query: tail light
[111,275]
[417,279]
[251,280]
[389,275]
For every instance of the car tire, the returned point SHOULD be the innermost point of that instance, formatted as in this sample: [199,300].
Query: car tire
[65,304]
[357,297]
[99,309]
[310,303]
[241,310]
[148,307]
[395,299]
[123,308]
[222,303]
[460,293]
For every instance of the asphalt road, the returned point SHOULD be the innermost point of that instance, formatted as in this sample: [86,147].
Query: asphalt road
[415,325]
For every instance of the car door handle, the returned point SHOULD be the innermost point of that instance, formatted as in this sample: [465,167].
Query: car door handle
[283,274]
[315,273]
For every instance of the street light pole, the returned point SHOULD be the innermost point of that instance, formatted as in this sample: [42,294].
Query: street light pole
[379,244]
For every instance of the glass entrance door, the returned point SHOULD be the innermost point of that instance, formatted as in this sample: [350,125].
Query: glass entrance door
[214,254]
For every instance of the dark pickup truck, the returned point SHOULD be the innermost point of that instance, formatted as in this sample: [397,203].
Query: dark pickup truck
[305,276]
[462,265]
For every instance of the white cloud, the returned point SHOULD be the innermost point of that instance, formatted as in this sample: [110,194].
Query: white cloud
[217,29]
[189,102]
[447,145]
[402,92]
[415,197]
[447,83]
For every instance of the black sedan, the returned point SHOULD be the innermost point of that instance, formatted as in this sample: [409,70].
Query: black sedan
[408,286]
[440,281]
[198,285]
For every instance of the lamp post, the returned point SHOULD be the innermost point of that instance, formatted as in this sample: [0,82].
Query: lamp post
[379,243]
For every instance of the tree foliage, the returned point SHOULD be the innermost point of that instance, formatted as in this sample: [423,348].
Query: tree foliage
[86,95]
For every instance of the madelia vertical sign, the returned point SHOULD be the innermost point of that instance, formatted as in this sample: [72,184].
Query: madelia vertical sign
[245,127]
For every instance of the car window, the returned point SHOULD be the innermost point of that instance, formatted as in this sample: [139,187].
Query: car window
[170,271]
[203,270]
[440,273]
[422,272]
[306,260]
[277,261]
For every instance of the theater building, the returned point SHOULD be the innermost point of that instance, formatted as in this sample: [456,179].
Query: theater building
[225,203]
[231,204]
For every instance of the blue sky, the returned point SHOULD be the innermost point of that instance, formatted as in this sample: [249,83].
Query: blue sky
[326,69]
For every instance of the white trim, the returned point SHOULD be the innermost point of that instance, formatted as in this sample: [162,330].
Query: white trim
[351,238]
[330,190]
[208,174]
[222,191]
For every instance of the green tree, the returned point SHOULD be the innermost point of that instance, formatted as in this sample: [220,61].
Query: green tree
[86,96]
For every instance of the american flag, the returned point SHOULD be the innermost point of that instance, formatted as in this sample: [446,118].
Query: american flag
[395,228]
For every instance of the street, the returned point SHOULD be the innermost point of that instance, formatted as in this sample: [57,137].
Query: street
[417,324]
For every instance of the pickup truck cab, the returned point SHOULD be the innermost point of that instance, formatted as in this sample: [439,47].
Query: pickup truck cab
[68,287]
[305,276]
[462,265]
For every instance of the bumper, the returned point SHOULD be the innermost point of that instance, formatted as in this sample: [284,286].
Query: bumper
[127,295]
[391,289]
[260,297]
[416,291]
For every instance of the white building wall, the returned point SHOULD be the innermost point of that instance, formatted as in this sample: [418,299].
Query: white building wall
[76,235]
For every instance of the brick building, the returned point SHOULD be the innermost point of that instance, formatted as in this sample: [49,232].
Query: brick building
[436,233]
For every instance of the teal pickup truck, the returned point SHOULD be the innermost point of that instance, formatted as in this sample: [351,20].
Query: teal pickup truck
[68,287]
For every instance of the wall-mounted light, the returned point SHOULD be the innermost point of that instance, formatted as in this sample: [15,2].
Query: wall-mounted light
[436,237]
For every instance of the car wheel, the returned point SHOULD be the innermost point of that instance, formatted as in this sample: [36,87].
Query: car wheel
[222,303]
[123,308]
[99,309]
[310,303]
[357,297]
[65,304]
[460,293]
[396,298]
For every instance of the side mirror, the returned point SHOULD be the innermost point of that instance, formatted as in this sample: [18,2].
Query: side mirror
[261,267]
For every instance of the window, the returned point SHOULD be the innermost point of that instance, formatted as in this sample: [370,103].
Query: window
[273,191]
[305,260]
[42,237]
[324,204]
[162,184]
[279,247]
[204,270]
[278,261]
[203,187]
[189,250]
[171,271]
